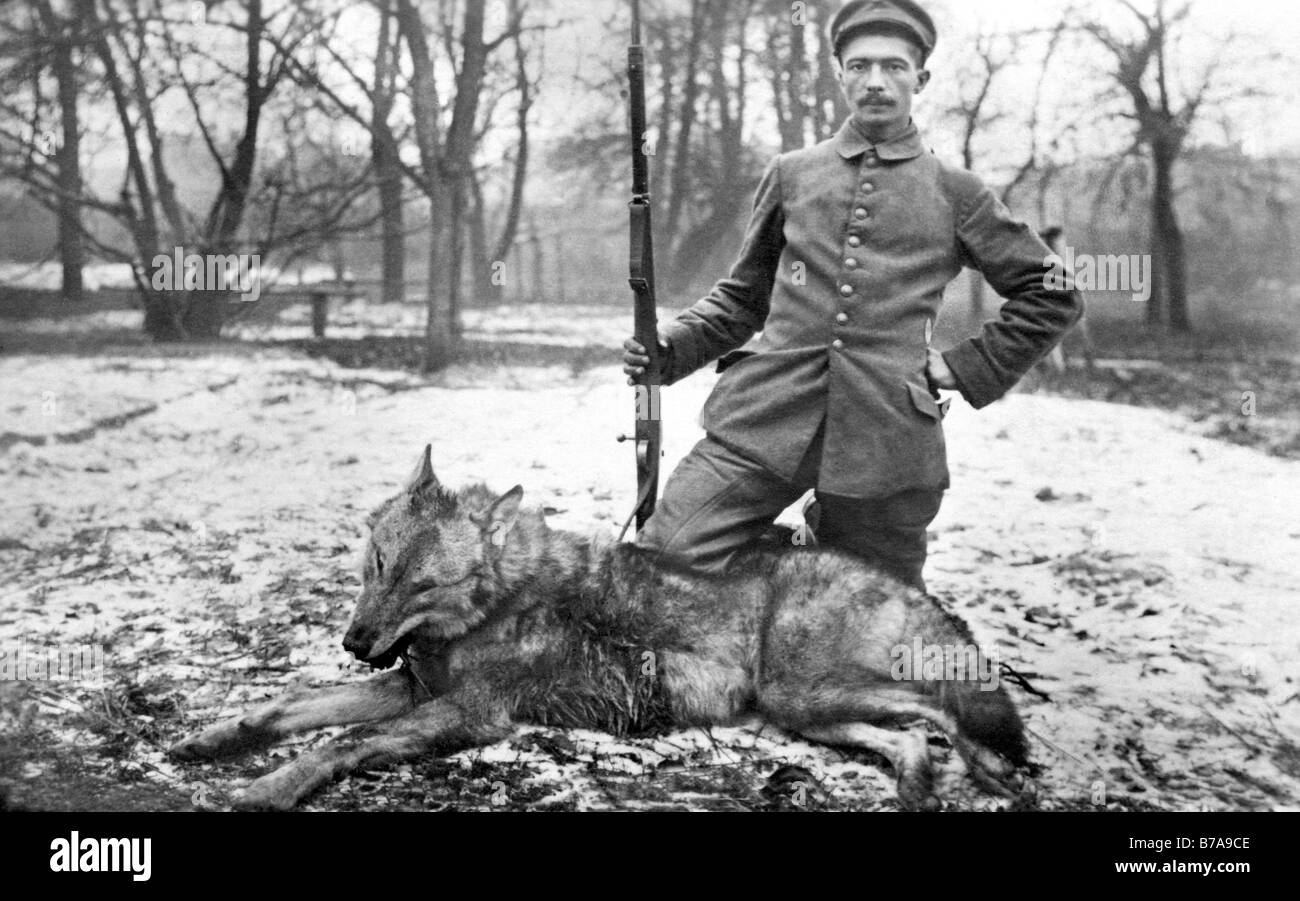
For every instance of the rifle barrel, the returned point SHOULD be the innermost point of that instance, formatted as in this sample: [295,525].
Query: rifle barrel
[642,280]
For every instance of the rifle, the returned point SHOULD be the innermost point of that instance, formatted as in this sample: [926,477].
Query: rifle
[641,269]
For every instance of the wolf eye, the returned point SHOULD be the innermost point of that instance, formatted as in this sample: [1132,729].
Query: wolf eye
[379,562]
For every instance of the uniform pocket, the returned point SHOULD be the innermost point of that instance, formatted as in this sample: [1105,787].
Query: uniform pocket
[924,401]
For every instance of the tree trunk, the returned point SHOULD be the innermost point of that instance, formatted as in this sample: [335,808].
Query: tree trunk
[798,104]
[783,125]
[388,170]
[520,176]
[159,323]
[481,265]
[393,220]
[228,210]
[456,251]
[831,106]
[659,168]
[205,313]
[439,345]
[457,170]
[561,289]
[539,265]
[1167,245]
[71,245]
[682,165]
[446,168]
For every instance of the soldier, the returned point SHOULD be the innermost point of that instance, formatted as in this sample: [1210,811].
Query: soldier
[842,269]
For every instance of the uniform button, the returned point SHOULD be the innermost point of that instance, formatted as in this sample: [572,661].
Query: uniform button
[846,290]
[855,241]
[860,212]
[868,187]
[842,318]
[837,344]
[872,161]
[851,263]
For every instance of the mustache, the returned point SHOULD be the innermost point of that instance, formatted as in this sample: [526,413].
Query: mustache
[876,101]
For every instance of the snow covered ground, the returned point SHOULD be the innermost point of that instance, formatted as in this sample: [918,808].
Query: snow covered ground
[200,517]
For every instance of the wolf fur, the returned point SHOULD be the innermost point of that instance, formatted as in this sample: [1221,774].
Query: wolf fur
[505,621]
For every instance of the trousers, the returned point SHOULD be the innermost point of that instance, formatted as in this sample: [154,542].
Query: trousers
[717,504]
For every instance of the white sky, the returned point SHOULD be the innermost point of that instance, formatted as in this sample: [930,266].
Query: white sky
[1270,26]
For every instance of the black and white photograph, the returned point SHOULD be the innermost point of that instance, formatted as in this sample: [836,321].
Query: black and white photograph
[759,406]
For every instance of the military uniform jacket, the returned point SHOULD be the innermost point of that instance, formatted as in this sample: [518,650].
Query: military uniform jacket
[843,264]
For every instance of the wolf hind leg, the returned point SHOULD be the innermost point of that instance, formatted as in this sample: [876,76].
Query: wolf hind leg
[990,770]
[382,697]
[906,751]
[433,725]
[889,702]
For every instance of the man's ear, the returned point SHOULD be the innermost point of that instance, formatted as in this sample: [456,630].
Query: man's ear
[922,79]
[500,518]
[423,477]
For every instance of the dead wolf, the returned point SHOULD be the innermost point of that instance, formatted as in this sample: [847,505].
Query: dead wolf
[502,620]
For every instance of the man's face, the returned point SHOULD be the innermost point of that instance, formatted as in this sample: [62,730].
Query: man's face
[880,75]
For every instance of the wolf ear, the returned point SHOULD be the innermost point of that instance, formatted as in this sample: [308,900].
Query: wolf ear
[501,517]
[423,477]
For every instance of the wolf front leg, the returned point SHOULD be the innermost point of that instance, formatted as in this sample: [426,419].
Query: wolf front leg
[438,724]
[383,697]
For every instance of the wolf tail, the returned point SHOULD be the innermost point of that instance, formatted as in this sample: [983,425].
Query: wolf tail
[987,717]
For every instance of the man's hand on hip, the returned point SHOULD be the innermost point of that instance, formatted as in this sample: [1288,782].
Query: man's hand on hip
[937,371]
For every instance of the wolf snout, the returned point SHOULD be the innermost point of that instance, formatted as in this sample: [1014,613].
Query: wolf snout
[358,642]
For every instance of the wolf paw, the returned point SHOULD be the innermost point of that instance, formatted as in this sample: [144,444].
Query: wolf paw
[917,793]
[915,776]
[1026,794]
[267,793]
[990,770]
[225,739]
[199,746]
[251,799]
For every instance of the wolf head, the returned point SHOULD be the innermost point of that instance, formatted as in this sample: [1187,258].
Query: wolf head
[431,567]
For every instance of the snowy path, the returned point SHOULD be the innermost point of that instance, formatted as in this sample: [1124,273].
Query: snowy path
[209,542]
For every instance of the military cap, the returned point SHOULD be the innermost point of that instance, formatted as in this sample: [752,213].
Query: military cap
[858,14]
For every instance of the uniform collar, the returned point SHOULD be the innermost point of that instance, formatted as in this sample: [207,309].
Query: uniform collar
[850,143]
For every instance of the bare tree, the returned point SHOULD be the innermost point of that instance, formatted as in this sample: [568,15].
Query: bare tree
[680,177]
[1163,117]
[140,54]
[991,58]
[526,89]
[386,160]
[40,135]
[367,102]
[447,155]
[830,107]
[63,34]
[719,155]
